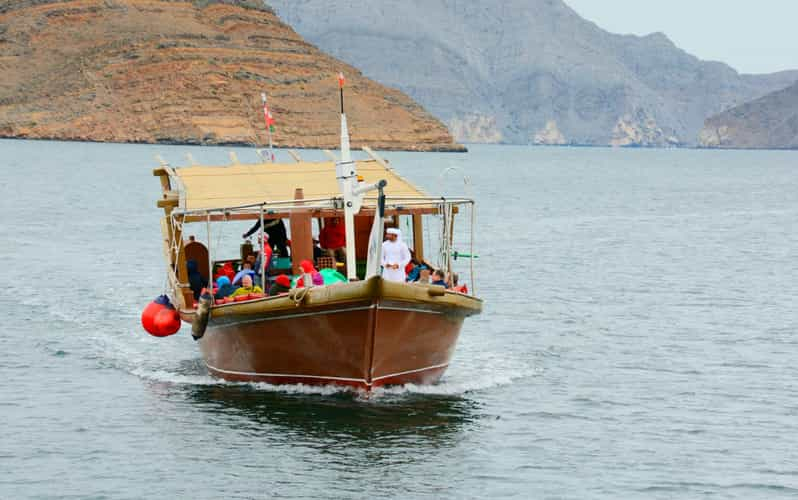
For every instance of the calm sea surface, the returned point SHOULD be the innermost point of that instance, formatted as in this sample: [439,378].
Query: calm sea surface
[639,340]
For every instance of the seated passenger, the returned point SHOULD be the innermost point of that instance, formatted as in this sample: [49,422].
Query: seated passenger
[307,268]
[246,269]
[195,279]
[225,270]
[423,276]
[225,288]
[439,278]
[247,287]
[414,271]
[281,285]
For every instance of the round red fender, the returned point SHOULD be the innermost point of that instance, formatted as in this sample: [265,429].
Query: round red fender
[241,298]
[152,310]
[254,296]
[167,322]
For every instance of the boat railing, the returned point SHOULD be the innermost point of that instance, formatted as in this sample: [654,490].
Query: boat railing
[272,207]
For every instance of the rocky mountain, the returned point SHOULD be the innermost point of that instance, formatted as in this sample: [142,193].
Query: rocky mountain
[528,71]
[186,72]
[770,122]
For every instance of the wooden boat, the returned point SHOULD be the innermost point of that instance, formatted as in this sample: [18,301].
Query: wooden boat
[365,332]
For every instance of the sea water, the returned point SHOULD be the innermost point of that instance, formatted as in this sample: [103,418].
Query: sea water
[638,340]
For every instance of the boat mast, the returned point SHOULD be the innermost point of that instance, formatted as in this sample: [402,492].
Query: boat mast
[346,173]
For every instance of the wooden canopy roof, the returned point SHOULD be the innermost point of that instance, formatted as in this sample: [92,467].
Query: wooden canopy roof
[202,187]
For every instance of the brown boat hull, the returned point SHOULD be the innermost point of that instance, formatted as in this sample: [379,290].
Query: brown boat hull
[364,335]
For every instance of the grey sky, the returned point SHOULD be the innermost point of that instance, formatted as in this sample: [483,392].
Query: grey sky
[752,36]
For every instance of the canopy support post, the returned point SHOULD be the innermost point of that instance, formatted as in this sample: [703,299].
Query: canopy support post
[301,224]
[262,249]
[418,237]
[210,257]
[471,257]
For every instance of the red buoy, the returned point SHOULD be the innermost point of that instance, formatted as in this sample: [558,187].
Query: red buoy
[158,324]
[167,322]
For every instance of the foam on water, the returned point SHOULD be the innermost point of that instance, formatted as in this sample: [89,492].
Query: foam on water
[454,384]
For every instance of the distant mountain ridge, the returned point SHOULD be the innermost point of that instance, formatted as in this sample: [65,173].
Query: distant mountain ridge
[770,122]
[181,71]
[528,71]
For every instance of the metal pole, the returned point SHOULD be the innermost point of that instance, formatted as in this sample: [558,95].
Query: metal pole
[471,258]
[210,257]
[263,262]
[349,228]
[271,146]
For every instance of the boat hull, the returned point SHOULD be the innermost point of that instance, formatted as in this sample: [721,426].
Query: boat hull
[363,335]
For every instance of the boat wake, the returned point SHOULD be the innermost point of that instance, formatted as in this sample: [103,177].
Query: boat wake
[462,380]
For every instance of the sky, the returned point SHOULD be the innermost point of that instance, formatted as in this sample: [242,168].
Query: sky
[752,36]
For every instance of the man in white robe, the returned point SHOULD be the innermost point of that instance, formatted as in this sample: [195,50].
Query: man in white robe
[395,256]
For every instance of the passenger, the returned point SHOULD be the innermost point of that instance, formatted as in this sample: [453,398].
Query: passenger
[439,278]
[395,256]
[265,256]
[195,279]
[225,288]
[317,250]
[281,285]
[333,239]
[277,235]
[423,276]
[225,270]
[415,271]
[308,269]
[247,287]
[246,270]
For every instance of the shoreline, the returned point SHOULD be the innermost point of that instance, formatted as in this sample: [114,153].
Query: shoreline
[416,148]
[455,148]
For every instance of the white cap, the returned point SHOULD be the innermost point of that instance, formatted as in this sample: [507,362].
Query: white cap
[393,230]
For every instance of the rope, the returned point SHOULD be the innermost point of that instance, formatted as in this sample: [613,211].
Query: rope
[446,231]
[174,250]
[299,295]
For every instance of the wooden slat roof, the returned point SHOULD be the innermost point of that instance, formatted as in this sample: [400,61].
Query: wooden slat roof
[209,187]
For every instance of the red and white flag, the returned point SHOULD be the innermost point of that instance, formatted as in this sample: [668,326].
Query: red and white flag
[268,118]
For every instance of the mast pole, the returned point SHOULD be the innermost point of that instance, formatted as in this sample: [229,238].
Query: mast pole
[267,118]
[346,173]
